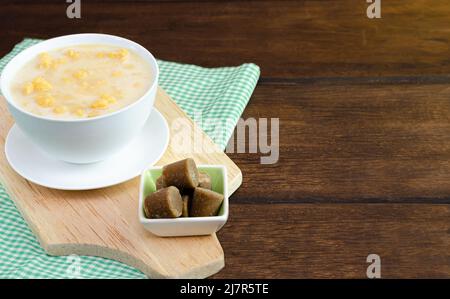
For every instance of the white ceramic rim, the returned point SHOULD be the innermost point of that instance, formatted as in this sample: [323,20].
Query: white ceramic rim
[6,73]
[224,217]
[93,187]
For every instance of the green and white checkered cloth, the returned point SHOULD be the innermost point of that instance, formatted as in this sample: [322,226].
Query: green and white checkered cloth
[220,94]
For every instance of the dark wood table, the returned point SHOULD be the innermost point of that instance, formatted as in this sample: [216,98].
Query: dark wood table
[364,109]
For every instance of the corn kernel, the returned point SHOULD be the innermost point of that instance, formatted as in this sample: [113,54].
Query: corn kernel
[59,109]
[40,84]
[116,74]
[110,99]
[57,62]
[79,112]
[93,114]
[81,74]
[100,104]
[72,54]
[28,88]
[121,54]
[45,100]
[45,60]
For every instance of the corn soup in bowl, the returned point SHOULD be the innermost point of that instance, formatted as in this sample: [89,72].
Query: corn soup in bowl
[81,98]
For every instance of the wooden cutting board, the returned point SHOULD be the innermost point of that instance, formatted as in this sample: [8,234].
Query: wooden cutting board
[104,222]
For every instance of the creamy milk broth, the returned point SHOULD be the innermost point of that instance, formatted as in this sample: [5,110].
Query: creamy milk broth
[81,81]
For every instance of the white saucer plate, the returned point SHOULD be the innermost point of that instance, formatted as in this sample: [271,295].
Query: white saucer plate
[37,167]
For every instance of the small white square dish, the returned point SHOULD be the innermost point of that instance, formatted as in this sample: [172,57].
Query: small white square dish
[184,226]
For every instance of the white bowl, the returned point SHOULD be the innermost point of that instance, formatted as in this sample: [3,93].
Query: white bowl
[81,140]
[185,226]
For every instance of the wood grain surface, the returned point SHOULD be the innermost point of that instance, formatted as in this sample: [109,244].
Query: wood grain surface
[334,240]
[364,123]
[374,142]
[288,39]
